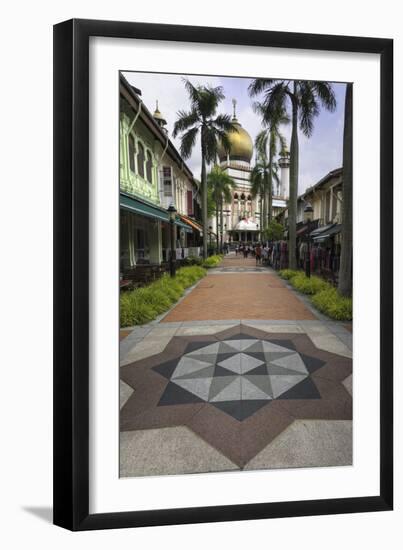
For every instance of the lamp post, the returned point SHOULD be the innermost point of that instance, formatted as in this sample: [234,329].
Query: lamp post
[308,213]
[172,257]
[210,233]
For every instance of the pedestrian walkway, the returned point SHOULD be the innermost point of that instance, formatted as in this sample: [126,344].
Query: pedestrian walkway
[240,375]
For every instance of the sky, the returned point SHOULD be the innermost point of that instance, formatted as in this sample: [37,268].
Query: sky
[318,155]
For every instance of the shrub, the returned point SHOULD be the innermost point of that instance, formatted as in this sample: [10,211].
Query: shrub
[193,260]
[212,261]
[331,303]
[143,305]
[287,273]
[308,285]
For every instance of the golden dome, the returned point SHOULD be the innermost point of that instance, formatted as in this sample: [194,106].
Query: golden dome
[241,146]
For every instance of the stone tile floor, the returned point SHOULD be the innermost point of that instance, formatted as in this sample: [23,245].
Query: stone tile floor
[237,387]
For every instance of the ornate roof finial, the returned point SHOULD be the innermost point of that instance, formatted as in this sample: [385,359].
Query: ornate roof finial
[156,105]
[234,105]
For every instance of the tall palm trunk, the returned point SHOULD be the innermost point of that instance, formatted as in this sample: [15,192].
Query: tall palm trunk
[292,202]
[270,194]
[204,199]
[265,203]
[345,273]
[221,224]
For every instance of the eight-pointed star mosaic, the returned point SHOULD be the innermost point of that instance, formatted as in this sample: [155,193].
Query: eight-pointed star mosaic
[237,389]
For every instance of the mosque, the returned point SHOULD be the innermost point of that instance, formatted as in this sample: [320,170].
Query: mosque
[242,217]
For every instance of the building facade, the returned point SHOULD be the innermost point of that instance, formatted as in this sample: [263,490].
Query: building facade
[152,177]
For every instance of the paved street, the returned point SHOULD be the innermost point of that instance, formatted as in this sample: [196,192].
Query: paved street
[240,374]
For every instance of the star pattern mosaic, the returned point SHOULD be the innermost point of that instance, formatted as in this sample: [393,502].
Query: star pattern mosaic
[237,389]
[238,375]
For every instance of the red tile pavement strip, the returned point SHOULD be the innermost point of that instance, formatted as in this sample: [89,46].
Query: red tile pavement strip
[240,296]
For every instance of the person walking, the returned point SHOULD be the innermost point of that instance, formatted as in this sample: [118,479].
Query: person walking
[258,254]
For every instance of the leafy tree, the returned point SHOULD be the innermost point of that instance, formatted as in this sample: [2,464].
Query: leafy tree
[202,120]
[274,231]
[304,97]
[220,184]
[346,258]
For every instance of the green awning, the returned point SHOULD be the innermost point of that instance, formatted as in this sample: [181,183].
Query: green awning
[143,208]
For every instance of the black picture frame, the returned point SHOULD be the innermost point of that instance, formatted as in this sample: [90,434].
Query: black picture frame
[71,274]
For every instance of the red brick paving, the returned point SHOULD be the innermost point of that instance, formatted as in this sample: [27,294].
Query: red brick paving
[240,296]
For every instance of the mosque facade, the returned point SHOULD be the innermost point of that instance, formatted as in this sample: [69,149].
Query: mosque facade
[242,217]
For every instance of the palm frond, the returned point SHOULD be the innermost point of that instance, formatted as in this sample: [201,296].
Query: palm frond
[188,141]
[185,120]
[258,85]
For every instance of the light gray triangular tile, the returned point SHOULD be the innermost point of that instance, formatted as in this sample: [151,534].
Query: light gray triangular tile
[232,392]
[197,386]
[206,372]
[280,384]
[270,347]
[293,362]
[218,384]
[187,365]
[232,363]
[252,391]
[248,363]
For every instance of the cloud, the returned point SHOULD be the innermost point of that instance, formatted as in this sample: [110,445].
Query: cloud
[318,155]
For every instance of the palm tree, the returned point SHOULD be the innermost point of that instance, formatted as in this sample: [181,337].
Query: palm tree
[346,258]
[202,120]
[259,180]
[305,98]
[272,139]
[221,185]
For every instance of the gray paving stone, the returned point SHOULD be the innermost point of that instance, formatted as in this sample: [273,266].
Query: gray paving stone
[168,451]
[308,443]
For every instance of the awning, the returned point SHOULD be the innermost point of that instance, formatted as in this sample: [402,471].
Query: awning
[330,232]
[192,223]
[143,208]
[184,226]
[325,232]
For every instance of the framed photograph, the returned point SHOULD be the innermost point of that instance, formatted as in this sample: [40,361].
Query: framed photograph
[223,271]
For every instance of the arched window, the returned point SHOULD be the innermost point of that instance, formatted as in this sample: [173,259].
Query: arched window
[132,153]
[140,160]
[243,196]
[149,166]
[236,196]
[249,198]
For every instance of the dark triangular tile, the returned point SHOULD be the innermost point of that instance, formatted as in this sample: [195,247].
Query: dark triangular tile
[276,369]
[166,369]
[289,344]
[312,363]
[224,356]
[175,395]
[304,390]
[193,346]
[221,371]
[241,336]
[232,408]
[250,406]
[261,369]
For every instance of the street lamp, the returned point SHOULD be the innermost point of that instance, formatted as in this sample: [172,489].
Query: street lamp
[308,213]
[172,257]
[210,233]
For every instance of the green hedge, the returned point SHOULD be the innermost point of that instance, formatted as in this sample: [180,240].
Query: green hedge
[308,285]
[212,261]
[331,303]
[288,273]
[324,296]
[145,304]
